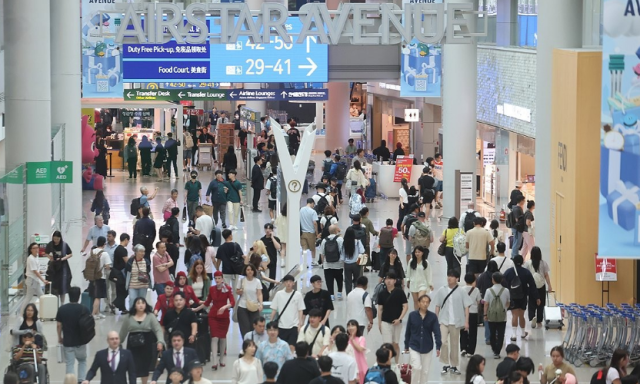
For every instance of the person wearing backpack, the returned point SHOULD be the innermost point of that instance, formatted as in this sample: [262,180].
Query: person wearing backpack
[69,318]
[496,303]
[407,221]
[333,264]
[315,334]
[522,288]
[540,271]
[421,337]
[272,193]
[420,233]
[478,241]
[467,218]
[452,308]
[387,234]
[381,372]
[188,149]
[369,231]
[453,262]
[515,216]
[97,268]
[321,199]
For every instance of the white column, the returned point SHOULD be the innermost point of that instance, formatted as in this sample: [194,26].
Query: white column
[66,109]
[459,114]
[28,96]
[320,114]
[559,26]
[337,125]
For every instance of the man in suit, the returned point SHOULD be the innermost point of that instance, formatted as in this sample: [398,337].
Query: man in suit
[115,363]
[178,356]
[257,182]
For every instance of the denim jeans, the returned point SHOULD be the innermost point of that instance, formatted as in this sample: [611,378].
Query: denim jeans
[517,240]
[134,293]
[72,354]
[487,333]
[159,288]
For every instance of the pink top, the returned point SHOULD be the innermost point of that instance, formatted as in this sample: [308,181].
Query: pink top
[170,203]
[160,277]
[361,358]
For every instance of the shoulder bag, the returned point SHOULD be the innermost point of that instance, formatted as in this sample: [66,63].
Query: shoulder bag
[447,297]
[143,277]
[277,320]
[442,248]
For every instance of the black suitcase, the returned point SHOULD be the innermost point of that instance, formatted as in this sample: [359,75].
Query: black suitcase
[375,260]
[203,342]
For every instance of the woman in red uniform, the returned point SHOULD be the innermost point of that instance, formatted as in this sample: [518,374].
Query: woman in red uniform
[189,295]
[221,300]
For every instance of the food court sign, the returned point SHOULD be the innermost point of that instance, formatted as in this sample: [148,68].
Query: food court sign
[157,23]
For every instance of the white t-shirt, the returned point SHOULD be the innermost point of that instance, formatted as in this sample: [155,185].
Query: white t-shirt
[308,333]
[508,263]
[404,196]
[202,381]
[268,187]
[290,316]
[204,224]
[344,366]
[356,308]
[32,265]
[612,375]
[105,259]
[327,196]
[250,290]
[475,297]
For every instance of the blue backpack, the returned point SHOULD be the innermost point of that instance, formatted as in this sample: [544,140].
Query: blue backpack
[375,375]
[195,257]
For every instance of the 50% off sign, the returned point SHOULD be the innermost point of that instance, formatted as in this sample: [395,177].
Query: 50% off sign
[403,168]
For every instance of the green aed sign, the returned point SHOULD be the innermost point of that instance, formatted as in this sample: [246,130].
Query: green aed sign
[50,172]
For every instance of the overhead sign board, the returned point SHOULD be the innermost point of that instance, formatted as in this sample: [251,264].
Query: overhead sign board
[50,172]
[242,61]
[227,94]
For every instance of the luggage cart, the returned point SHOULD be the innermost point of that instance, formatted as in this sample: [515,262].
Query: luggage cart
[205,153]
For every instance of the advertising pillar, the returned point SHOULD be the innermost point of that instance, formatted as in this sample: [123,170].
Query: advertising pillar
[459,112]
[66,109]
[559,26]
[28,96]
[338,126]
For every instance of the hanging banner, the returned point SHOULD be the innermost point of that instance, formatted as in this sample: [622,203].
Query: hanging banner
[606,269]
[403,168]
[619,222]
[420,65]
[101,55]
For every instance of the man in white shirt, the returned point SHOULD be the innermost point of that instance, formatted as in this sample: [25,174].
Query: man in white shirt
[204,223]
[344,367]
[309,229]
[289,306]
[469,211]
[503,262]
[258,335]
[317,335]
[110,248]
[98,287]
[452,309]
[359,306]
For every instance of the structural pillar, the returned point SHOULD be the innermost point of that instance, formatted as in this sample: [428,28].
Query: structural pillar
[28,94]
[459,114]
[559,26]
[337,130]
[66,109]
[507,23]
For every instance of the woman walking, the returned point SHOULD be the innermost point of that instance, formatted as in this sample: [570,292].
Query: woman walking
[497,234]
[359,344]
[209,256]
[158,163]
[394,265]
[162,263]
[474,370]
[453,262]
[419,279]
[247,369]
[59,272]
[355,178]
[131,158]
[540,271]
[100,206]
[229,161]
[351,248]
[528,239]
[199,280]
[249,306]
[404,202]
[137,275]
[144,337]
[33,276]
[220,300]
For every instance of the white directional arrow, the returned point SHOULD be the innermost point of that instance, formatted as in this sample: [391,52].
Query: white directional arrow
[232,95]
[180,95]
[129,94]
[312,66]
[284,93]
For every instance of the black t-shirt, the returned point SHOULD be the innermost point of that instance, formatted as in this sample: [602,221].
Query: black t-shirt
[426,182]
[326,380]
[392,304]
[224,254]
[504,369]
[174,253]
[180,322]
[294,135]
[271,248]
[516,212]
[298,370]
[68,315]
[320,300]
[118,257]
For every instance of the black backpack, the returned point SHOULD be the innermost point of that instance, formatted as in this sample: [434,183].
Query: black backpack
[325,230]
[321,204]
[273,187]
[600,377]
[374,310]
[341,171]
[326,168]
[521,224]
[468,221]
[407,225]
[86,327]
[135,205]
[516,290]
[164,228]
[359,232]
[237,260]
[331,250]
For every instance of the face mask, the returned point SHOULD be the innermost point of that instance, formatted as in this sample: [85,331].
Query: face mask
[193,176]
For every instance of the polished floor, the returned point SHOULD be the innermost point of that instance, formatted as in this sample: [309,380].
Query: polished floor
[120,191]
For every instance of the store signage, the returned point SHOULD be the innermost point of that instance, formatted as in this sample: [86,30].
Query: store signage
[488,156]
[293,95]
[144,113]
[193,111]
[466,193]
[50,172]
[510,110]
[404,164]
[411,115]
[562,156]
[242,61]
[422,21]
[606,269]
[213,85]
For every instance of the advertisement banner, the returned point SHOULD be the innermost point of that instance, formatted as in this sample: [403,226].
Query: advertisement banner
[619,222]
[403,168]
[606,269]
[101,55]
[420,66]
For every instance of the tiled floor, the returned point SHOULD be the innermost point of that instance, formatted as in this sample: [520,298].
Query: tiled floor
[120,191]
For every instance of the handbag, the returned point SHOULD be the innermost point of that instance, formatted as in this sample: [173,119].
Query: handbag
[241,214]
[184,213]
[442,248]
[363,259]
[136,340]
[143,277]
[166,215]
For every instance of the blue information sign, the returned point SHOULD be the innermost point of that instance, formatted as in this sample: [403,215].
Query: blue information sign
[239,62]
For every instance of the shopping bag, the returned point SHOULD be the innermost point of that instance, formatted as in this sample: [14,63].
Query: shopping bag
[241,214]
[405,370]
[60,354]
[184,213]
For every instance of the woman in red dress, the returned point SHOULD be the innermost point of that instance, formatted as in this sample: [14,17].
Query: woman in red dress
[189,295]
[221,300]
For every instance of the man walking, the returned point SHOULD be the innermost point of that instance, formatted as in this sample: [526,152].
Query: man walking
[257,182]
[178,356]
[120,258]
[68,323]
[478,240]
[309,229]
[452,309]
[289,306]
[217,195]
[97,268]
[192,190]
[99,229]
[319,299]
[392,307]
[144,232]
[422,330]
[110,248]
[227,252]
[115,363]
[496,302]
[274,349]
[516,212]
[171,146]
[420,232]
[345,367]
[359,304]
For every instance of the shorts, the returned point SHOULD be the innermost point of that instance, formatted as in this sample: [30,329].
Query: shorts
[439,186]
[427,197]
[187,153]
[518,304]
[308,241]
[272,204]
[98,289]
[391,333]
[289,335]
[476,266]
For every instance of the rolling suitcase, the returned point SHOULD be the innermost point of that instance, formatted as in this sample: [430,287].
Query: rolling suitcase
[203,342]
[552,314]
[86,301]
[48,305]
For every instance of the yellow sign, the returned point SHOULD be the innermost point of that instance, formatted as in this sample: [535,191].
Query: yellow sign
[91,113]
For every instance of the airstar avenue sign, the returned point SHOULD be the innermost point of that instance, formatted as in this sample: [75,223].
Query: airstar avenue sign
[424,22]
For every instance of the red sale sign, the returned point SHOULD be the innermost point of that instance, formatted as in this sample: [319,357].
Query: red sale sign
[403,168]
[606,269]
